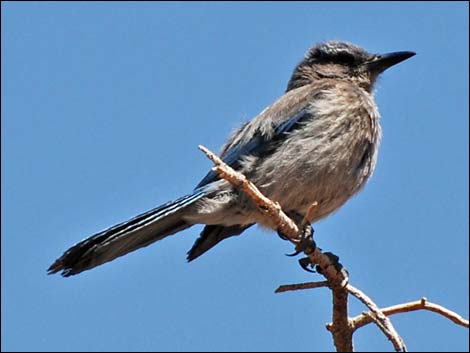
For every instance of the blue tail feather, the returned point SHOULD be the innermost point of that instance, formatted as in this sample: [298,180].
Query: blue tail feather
[127,236]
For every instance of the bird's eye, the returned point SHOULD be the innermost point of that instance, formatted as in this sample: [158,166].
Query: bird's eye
[345,58]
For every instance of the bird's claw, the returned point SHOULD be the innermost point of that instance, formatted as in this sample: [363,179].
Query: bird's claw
[334,259]
[295,253]
[306,243]
[305,263]
[282,236]
[308,266]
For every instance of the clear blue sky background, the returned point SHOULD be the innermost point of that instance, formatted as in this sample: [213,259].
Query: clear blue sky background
[103,105]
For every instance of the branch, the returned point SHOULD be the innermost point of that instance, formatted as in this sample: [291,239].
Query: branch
[337,279]
[423,304]
[342,327]
[283,223]
[379,318]
[300,286]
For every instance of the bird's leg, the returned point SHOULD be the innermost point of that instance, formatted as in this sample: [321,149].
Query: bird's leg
[307,264]
[307,245]
[335,262]
[298,218]
[282,236]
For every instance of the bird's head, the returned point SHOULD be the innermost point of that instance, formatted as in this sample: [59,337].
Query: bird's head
[343,61]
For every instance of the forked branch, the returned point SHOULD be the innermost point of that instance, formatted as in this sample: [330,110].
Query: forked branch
[342,327]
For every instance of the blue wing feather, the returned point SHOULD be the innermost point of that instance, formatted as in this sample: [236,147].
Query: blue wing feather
[233,155]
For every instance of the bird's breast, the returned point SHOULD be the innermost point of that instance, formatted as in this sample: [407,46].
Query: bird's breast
[328,159]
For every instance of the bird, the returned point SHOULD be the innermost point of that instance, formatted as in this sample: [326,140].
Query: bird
[318,142]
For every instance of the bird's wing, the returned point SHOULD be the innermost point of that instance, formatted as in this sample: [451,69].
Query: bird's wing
[232,155]
[270,125]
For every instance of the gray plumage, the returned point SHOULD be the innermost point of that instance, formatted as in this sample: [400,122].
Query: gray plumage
[318,142]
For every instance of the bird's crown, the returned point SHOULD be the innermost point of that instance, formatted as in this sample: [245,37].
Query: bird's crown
[337,52]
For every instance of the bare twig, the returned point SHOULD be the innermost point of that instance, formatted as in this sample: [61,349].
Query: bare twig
[342,327]
[378,317]
[300,286]
[421,304]
[337,279]
[283,223]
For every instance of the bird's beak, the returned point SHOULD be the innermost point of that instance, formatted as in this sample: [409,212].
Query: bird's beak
[382,62]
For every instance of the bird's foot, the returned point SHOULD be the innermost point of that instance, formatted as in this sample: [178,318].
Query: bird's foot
[282,236]
[306,245]
[307,265]
[297,218]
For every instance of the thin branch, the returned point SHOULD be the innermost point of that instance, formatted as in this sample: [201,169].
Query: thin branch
[422,304]
[378,317]
[300,286]
[337,279]
[342,327]
[283,223]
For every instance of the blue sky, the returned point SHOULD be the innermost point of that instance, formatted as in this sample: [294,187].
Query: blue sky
[103,106]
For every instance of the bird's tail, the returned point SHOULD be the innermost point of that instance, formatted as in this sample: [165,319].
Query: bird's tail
[125,237]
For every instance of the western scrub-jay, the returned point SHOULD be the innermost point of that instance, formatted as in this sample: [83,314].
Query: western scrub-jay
[318,142]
